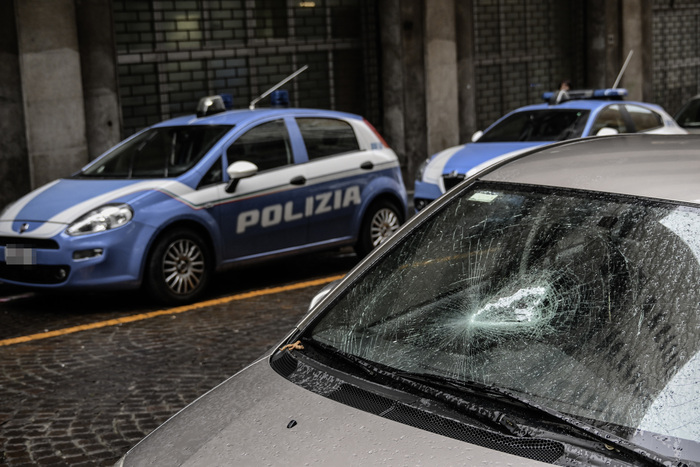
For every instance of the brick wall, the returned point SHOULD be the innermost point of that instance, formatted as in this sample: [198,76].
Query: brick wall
[676,52]
[523,48]
[171,53]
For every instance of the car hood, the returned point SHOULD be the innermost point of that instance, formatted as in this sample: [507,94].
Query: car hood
[47,210]
[259,418]
[461,159]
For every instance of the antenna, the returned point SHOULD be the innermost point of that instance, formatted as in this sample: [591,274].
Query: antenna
[281,83]
[622,71]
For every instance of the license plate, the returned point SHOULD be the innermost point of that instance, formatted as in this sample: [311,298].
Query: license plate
[19,255]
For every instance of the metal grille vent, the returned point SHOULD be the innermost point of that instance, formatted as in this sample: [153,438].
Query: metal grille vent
[335,389]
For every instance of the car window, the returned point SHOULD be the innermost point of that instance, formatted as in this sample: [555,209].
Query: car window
[327,136]
[689,116]
[213,176]
[581,302]
[266,145]
[158,152]
[609,117]
[644,119]
[537,125]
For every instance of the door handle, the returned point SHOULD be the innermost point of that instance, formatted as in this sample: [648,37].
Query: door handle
[298,180]
[367,165]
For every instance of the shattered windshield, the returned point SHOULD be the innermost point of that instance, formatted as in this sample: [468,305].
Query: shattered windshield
[158,153]
[584,303]
[538,125]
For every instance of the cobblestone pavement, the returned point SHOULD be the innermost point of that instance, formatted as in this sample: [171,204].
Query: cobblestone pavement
[85,398]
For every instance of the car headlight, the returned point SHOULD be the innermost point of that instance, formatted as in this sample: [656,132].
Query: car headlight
[421,170]
[103,218]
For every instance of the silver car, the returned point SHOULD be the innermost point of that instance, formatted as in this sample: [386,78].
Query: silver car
[545,311]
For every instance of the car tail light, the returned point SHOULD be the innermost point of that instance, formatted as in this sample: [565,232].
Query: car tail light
[376,133]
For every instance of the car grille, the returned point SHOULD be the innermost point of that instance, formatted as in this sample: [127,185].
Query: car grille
[345,393]
[36,243]
[34,274]
[450,180]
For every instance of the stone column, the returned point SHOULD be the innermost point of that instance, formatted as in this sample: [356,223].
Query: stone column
[14,167]
[441,90]
[54,112]
[636,37]
[99,75]
[466,74]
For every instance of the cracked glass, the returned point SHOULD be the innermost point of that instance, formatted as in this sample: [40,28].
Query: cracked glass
[581,302]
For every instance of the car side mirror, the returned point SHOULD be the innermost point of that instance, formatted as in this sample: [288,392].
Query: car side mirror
[237,171]
[607,131]
[477,135]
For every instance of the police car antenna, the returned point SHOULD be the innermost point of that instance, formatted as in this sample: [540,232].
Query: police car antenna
[273,88]
[622,71]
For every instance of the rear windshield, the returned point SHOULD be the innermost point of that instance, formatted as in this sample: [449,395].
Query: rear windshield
[538,125]
[158,153]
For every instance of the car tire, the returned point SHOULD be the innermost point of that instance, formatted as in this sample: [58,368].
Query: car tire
[381,221]
[179,267]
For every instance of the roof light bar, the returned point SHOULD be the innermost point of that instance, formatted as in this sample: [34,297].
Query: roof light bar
[557,97]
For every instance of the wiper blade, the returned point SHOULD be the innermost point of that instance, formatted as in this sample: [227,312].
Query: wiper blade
[611,441]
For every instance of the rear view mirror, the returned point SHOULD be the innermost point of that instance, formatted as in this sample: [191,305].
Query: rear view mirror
[477,135]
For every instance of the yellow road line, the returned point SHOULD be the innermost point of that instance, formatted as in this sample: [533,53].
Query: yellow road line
[170,311]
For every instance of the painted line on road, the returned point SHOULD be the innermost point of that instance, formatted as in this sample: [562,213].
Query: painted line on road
[170,311]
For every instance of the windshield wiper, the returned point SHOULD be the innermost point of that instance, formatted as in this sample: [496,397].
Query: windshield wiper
[379,374]
[450,391]
[611,441]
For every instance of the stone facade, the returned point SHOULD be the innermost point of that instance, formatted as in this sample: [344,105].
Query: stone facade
[676,52]
[171,53]
[427,74]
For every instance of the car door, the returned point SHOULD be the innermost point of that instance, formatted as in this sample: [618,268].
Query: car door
[337,173]
[265,212]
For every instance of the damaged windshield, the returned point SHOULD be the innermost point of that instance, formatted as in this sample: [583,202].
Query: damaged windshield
[584,303]
[158,153]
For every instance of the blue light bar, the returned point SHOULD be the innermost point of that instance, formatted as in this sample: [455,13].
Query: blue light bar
[557,97]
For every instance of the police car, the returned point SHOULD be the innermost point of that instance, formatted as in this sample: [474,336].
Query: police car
[176,202]
[565,115]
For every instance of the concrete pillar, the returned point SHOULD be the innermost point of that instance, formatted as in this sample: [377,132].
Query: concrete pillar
[441,90]
[14,167]
[604,42]
[636,37]
[466,73]
[98,62]
[52,88]
[393,73]
[414,93]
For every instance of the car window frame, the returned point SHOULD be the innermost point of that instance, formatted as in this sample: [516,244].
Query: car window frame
[623,115]
[300,130]
[635,128]
[291,153]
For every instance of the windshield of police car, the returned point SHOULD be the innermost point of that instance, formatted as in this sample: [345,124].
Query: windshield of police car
[538,125]
[158,153]
[583,303]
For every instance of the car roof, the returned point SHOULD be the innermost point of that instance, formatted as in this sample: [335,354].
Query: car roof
[656,166]
[582,104]
[237,117]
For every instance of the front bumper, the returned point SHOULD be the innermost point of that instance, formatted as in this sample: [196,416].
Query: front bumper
[425,193]
[111,259]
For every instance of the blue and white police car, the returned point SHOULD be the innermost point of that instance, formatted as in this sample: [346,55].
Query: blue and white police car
[565,115]
[176,202]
